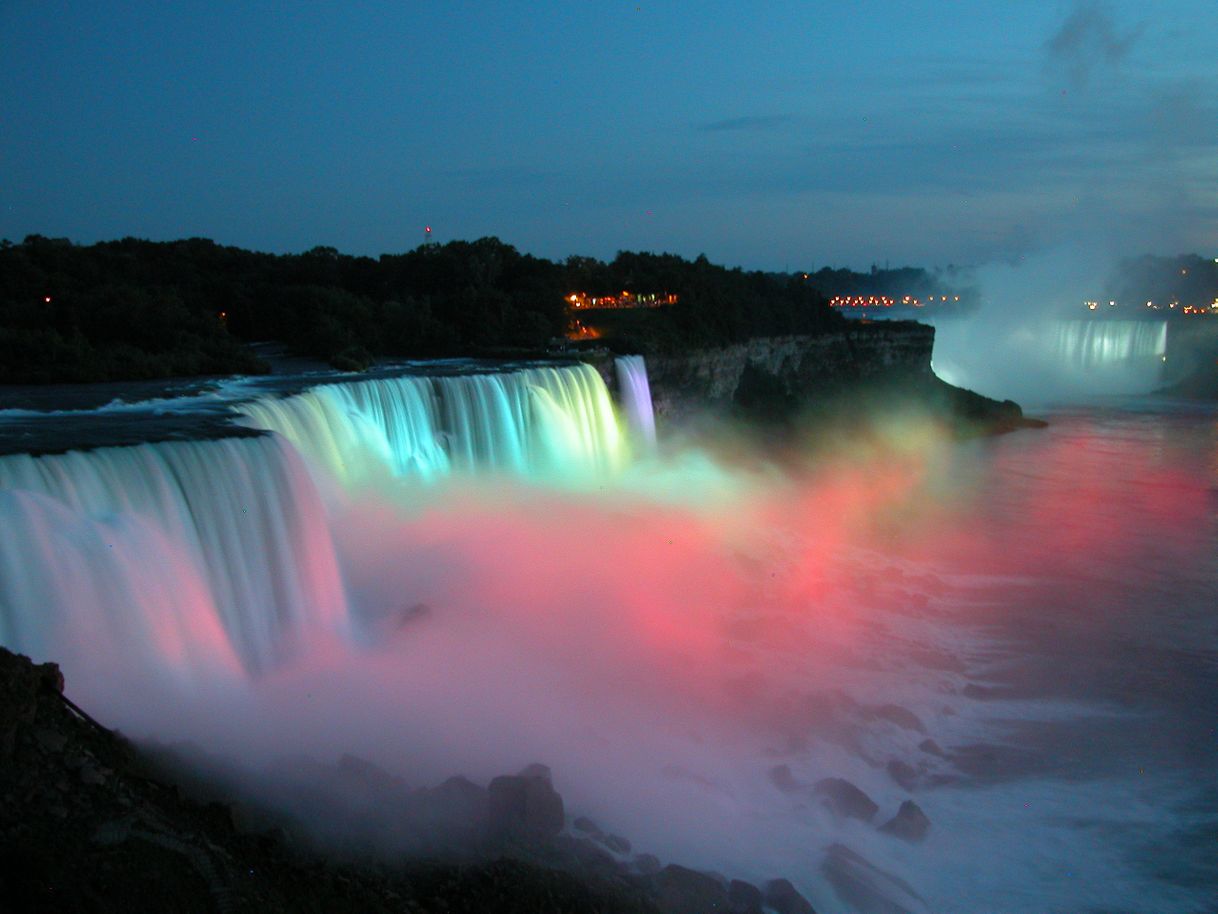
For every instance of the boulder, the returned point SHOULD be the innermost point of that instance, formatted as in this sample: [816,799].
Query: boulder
[930,747]
[587,826]
[647,864]
[785,898]
[684,891]
[615,843]
[903,773]
[743,897]
[867,889]
[902,717]
[844,799]
[525,803]
[781,777]
[909,824]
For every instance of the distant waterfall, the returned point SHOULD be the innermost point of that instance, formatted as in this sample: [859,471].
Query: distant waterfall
[550,422]
[634,390]
[210,547]
[1096,344]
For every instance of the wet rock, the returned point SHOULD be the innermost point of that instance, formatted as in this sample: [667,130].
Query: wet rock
[647,864]
[525,802]
[844,799]
[866,888]
[616,843]
[902,717]
[587,826]
[785,898]
[743,897]
[587,855]
[930,747]
[909,824]
[781,777]
[535,770]
[369,775]
[684,891]
[903,773]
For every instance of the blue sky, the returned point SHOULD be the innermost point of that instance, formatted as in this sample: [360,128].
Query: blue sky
[767,135]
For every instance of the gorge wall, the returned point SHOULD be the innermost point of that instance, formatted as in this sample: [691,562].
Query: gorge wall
[795,369]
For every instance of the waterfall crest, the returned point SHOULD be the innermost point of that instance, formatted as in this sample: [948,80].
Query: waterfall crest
[546,421]
[1095,344]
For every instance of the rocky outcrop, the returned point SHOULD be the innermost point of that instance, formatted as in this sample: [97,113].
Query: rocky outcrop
[859,371]
[795,367]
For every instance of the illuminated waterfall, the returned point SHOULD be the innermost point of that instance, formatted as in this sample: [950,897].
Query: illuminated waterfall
[219,552]
[1098,344]
[207,546]
[634,391]
[551,422]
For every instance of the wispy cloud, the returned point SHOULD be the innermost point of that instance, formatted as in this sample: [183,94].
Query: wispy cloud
[754,122]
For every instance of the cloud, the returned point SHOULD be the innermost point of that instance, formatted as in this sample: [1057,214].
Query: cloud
[754,122]
[1087,39]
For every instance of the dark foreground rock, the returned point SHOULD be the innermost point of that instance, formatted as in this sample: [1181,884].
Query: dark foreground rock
[85,825]
[783,898]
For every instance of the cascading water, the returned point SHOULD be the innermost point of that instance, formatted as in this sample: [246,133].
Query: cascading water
[553,422]
[634,390]
[224,535]
[1041,359]
[1100,344]
[223,546]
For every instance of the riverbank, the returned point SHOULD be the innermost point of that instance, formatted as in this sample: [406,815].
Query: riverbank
[91,821]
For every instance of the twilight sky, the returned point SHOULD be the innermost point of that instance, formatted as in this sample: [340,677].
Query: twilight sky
[768,135]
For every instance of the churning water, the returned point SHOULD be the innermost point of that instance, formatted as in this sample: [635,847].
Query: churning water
[469,574]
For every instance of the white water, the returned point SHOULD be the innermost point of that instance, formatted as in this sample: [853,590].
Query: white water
[665,635]
[556,422]
[1036,360]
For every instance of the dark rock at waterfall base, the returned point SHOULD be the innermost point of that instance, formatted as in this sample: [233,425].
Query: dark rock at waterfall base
[679,890]
[647,864]
[903,773]
[88,823]
[909,824]
[844,799]
[743,897]
[865,887]
[525,802]
[781,777]
[930,747]
[783,898]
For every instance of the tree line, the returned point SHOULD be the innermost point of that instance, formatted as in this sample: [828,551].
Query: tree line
[134,309]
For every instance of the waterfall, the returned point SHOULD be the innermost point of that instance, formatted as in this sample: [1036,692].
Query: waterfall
[634,390]
[548,422]
[206,553]
[1087,345]
[182,543]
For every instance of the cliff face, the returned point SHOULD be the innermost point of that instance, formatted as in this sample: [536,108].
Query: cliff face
[793,368]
